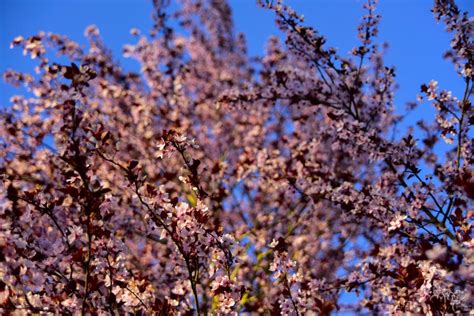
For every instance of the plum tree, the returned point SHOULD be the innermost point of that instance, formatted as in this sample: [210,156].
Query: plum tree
[211,183]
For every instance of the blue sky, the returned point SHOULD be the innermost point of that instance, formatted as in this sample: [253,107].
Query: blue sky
[416,41]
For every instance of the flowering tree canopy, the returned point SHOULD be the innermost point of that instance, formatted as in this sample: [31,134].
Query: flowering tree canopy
[210,182]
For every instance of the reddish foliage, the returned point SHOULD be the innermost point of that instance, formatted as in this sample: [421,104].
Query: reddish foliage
[213,183]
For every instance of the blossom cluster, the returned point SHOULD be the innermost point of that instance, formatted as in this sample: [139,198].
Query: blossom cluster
[212,182]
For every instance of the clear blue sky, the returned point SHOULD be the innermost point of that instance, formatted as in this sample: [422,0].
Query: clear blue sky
[417,42]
